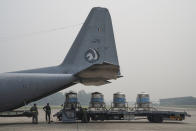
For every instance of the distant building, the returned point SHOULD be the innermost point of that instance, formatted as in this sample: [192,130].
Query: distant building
[178,101]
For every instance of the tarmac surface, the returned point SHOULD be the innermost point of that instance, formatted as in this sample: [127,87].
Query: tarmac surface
[24,124]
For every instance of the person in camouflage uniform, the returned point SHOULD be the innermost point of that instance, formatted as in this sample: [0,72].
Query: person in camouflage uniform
[34,111]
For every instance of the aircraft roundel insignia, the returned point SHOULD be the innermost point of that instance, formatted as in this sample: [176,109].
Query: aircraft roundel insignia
[92,55]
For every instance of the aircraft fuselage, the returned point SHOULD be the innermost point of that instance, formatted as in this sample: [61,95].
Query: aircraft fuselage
[18,89]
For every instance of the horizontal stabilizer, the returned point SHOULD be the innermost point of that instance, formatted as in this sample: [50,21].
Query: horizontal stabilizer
[99,74]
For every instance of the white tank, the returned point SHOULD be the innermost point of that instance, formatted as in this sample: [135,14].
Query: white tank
[119,100]
[143,100]
[71,100]
[97,100]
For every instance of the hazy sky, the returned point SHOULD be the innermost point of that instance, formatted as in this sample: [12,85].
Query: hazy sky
[156,41]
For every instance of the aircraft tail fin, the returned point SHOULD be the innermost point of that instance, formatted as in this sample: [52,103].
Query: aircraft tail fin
[94,50]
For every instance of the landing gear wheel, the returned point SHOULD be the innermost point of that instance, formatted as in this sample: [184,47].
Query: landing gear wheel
[150,119]
[155,119]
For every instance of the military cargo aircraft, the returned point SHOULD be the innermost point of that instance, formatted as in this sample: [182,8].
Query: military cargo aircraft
[92,60]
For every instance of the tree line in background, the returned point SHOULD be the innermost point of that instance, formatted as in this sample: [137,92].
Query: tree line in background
[84,99]
[59,99]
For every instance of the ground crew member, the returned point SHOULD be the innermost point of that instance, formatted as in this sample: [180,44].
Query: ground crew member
[47,110]
[34,114]
[84,116]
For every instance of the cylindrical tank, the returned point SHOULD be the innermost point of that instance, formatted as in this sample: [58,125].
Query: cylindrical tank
[71,100]
[71,97]
[143,100]
[97,100]
[119,100]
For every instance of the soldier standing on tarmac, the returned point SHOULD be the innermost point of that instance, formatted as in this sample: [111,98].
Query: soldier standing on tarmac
[47,110]
[35,114]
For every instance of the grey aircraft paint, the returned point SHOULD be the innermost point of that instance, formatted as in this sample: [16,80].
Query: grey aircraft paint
[92,60]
